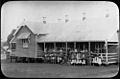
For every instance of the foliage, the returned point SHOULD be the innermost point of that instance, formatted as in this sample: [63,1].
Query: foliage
[10,36]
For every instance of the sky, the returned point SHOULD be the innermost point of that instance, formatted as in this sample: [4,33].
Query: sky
[13,13]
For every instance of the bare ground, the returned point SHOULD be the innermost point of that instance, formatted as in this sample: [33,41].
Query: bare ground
[41,70]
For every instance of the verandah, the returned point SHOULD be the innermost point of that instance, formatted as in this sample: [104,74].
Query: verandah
[72,47]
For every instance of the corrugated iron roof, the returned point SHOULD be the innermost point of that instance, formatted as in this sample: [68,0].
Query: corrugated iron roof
[113,37]
[71,31]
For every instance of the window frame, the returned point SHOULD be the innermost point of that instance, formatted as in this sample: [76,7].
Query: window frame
[25,43]
[13,46]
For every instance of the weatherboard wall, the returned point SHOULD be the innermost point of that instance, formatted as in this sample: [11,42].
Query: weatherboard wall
[25,52]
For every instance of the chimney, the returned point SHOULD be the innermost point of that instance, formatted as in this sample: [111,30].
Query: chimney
[59,20]
[17,26]
[44,21]
[66,19]
[118,32]
[84,17]
[24,22]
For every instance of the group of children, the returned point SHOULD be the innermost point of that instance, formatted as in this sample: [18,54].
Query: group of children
[97,60]
[54,58]
[74,57]
[78,57]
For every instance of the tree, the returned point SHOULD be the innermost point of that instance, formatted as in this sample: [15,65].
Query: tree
[10,36]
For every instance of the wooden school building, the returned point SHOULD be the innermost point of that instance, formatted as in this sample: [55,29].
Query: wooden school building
[35,39]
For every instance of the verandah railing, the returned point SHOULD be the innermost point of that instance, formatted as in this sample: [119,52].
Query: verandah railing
[108,58]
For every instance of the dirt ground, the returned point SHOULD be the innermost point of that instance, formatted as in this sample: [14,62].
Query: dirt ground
[42,70]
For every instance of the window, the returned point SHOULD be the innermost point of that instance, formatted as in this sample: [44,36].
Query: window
[13,45]
[25,43]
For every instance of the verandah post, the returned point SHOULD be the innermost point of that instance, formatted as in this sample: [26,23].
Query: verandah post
[98,49]
[74,45]
[89,50]
[106,45]
[55,50]
[54,45]
[66,52]
[44,47]
[95,48]
[83,46]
